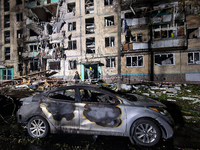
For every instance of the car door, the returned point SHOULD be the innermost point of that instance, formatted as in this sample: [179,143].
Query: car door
[60,109]
[101,113]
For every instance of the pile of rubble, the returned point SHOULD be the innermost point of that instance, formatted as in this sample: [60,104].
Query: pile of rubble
[38,81]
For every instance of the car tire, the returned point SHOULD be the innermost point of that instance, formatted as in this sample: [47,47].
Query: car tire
[145,132]
[38,127]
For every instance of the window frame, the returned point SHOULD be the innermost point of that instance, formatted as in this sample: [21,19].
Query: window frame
[110,61]
[59,65]
[106,24]
[19,17]
[6,36]
[6,19]
[109,39]
[75,64]
[110,2]
[7,54]
[72,42]
[136,56]
[72,23]
[193,59]
[166,64]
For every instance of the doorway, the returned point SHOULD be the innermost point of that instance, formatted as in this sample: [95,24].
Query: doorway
[86,69]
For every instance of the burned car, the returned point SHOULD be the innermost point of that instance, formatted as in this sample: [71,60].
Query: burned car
[87,109]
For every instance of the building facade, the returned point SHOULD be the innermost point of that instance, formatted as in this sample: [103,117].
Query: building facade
[159,41]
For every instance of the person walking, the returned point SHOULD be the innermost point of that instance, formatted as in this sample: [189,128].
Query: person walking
[77,77]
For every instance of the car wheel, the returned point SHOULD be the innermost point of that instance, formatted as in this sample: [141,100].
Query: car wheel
[38,127]
[145,132]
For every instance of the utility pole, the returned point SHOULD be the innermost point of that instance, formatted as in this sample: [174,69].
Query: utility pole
[119,47]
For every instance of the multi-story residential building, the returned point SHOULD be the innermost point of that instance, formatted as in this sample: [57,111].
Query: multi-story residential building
[159,41]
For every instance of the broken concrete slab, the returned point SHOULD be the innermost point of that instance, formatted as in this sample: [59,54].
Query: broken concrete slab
[188,98]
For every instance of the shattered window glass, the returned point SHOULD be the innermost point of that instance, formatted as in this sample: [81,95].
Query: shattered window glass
[194,58]
[7,36]
[54,65]
[72,45]
[108,2]
[89,26]
[89,6]
[7,53]
[19,17]
[6,21]
[134,61]
[72,64]
[72,26]
[109,21]
[71,7]
[68,94]
[109,41]
[110,62]
[164,59]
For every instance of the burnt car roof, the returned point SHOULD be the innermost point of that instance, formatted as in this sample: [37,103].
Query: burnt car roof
[90,87]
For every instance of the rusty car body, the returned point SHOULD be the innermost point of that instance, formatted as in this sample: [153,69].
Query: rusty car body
[87,109]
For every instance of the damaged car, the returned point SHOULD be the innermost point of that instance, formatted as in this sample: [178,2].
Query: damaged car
[90,109]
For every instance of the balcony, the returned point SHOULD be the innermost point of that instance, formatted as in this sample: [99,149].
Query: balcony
[136,21]
[169,43]
[167,17]
[29,54]
[136,46]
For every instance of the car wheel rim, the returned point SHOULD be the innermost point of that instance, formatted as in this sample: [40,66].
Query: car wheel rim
[37,127]
[145,133]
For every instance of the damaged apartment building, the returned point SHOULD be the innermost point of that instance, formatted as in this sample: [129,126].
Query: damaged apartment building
[159,41]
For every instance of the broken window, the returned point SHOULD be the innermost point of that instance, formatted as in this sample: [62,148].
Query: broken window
[71,26]
[18,2]
[20,67]
[134,38]
[192,9]
[131,38]
[108,2]
[34,65]
[90,45]
[110,62]
[68,94]
[7,36]
[89,6]
[6,5]
[164,59]
[19,17]
[193,33]
[33,48]
[129,15]
[7,74]
[72,45]
[71,8]
[54,65]
[19,33]
[6,21]
[109,21]
[7,53]
[33,33]
[89,25]
[109,41]
[72,64]
[194,58]
[134,61]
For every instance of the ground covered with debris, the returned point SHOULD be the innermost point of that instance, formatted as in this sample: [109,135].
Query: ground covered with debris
[183,102]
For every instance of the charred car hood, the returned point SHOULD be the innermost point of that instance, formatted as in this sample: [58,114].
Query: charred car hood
[140,100]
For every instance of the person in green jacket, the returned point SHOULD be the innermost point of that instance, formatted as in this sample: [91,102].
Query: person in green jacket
[77,77]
